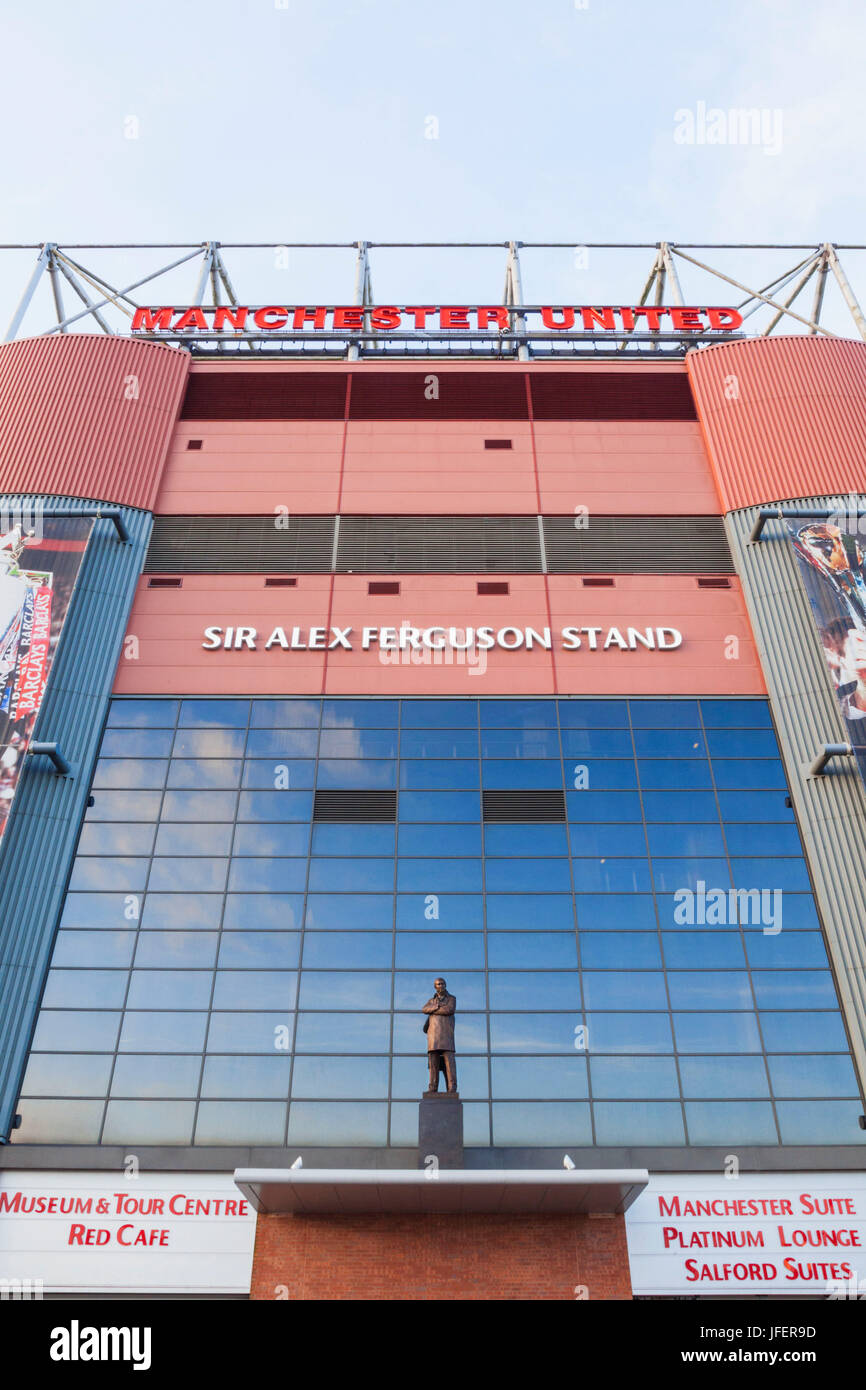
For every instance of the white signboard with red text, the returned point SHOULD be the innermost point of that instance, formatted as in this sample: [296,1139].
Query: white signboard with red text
[759,1233]
[105,1232]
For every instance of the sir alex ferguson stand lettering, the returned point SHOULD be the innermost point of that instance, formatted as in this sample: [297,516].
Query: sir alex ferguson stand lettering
[440,1115]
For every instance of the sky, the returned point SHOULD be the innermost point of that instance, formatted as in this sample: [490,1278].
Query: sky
[573,121]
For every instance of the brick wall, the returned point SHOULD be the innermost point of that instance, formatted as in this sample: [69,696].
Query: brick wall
[440,1257]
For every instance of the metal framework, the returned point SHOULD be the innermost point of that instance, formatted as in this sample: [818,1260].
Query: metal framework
[109,307]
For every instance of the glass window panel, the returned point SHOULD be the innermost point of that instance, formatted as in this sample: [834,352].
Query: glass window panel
[152,1077]
[593,806]
[182,911]
[340,1078]
[263,912]
[351,875]
[99,910]
[604,912]
[439,876]
[176,948]
[251,1032]
[638,1122]
[527,875]
[275,806]
[204,772]
[562,1123]
[344,989]
[195,875]
[471,1035]
[539,1078]
[787,949]
[169,989]
[803,1032]
[800,913]
[767,840]
[453,950]
[349,912]
[520,743]
[664,714]
[596,840]
[699,908]
[632,1078]
[105,948]
[522,839]
[439,839]
[518,911]
[246,1077]
[214,714]
[754,806]
[268,875]
[535,989]
[686,841]
[723,1076]
[362,950]
[735,713]
[62,1074]
[126,806]
[345,1032]
[340,773]
[209,743]
[624,989]
[611,876]
[594,775]
[820,1121]
[282,743]
[535,950]
[670,743]
[439,806]
[75,1030]
[599,743]
[84,989]
[459,774]
[518,714]
[129,772]
[285,714]
[255,989]
[717,1033]
[102,838]
[162,1032]
[673,875]
[795,989]
[59,1122]
[629,1033]
[615,950]
[142,714]
[194,839]
[338,1122]
[127,875]
[729,1122]
[439,743]
[742,743]
[255,950]
[409,1077]
[661,773]
[350,839]
[680,808]
[704,989]
[534,1032]
[593,714]
[359,714]
[439,714]
[788,875]
[800,1075]
[240,1122]
[702,950]
[358,743]
[731,773]
[414,988]
[200,806]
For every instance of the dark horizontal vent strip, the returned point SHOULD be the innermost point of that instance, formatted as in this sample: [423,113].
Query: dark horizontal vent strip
[242,545]
[355,806]
[523,806]
[432,395]
[440,545]
[586,395]
[265,395]
[637,545]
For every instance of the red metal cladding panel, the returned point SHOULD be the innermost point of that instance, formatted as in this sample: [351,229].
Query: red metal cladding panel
[88,416]
[782,417]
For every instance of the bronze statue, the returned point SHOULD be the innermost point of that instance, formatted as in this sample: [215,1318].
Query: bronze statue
[439,1027]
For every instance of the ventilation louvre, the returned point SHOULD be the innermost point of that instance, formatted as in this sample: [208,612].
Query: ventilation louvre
[523,805]
[355,806]
[242,545]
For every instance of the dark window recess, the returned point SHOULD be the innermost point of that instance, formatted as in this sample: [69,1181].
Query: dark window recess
[383,586]
[158,581]
[597,581]
[273,394]
[439,545]
[498,444]
[355,806]
[523,806]
[620,395]
[242,545]
[455,395]
[279,581]
[194,443]
[714,583]
[637,545]
[492,586]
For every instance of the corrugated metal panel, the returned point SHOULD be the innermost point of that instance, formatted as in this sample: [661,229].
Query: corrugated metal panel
[241,545]
[265,395]
[617,395]
[439,545]
[88,416]
[782,417]
[39,843]
[637,545]
[831,810]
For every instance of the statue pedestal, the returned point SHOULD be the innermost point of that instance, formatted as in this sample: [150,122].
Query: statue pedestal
[440,1129]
